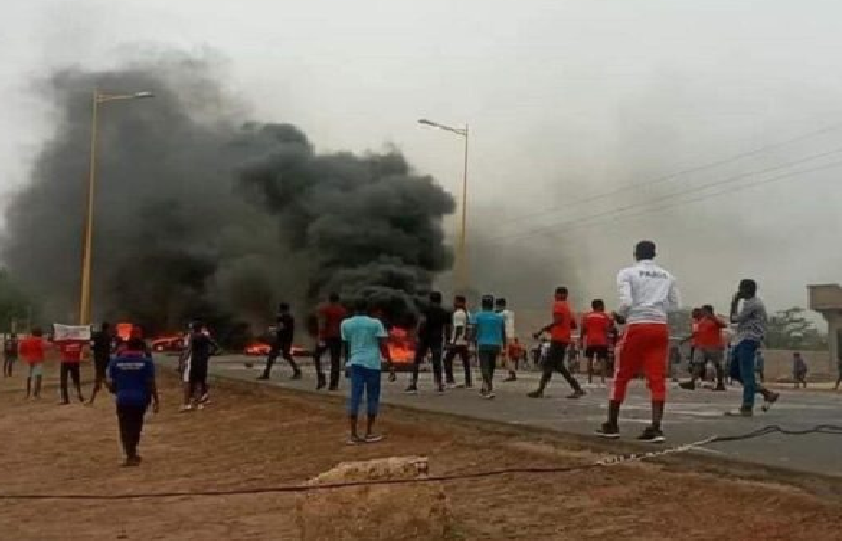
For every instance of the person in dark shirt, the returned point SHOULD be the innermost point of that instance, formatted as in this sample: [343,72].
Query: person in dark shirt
[131,377]
[10,354]
[202,347]
[330,317]
[431,331]
[282,345]
[101,349]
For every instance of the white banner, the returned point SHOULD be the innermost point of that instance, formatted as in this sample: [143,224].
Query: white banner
[81,333]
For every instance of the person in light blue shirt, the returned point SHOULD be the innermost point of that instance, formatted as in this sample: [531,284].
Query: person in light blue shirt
[490,336]
[365,341]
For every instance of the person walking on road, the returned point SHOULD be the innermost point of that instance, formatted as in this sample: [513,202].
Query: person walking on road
[708,348]
[330,317]
[458,342]
[596,328]
[431,330]
[647,294]
[799,370]
[750,320]
[202,348]
[282,344]
[365,340]
[510,348]
[490,336]
[560,337]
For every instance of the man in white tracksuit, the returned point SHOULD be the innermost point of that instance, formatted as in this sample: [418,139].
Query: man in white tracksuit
[509,319]
[647,293]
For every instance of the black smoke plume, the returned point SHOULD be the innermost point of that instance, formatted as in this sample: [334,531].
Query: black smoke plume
[202,211]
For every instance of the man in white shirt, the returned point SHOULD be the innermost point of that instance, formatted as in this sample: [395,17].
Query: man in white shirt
[509,320]
[457,343]
[647,293]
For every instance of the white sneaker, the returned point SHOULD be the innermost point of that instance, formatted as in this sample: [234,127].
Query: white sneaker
[184,409]
[200,407]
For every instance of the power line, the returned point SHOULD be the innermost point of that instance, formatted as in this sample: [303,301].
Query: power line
[728,180]
[687,171]
[729,191]
[299,488]
[575,224]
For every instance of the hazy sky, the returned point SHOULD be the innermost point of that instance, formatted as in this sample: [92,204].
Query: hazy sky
[566,100]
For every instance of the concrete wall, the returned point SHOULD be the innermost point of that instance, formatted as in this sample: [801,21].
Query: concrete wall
[778,364]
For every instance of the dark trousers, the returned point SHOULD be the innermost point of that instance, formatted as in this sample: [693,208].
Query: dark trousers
[283,350]
[71,369]
[487,362]
[452,352]
[130,418]
[434,347]
[197,377]
[555,362]
[333,346]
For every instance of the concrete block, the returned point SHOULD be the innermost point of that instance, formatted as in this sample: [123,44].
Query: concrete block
[416,511]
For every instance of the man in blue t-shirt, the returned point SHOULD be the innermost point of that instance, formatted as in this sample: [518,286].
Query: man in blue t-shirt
[490,335]
[131,377]
[364,339]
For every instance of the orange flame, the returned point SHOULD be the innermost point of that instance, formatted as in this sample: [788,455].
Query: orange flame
[400,345]
[124,330]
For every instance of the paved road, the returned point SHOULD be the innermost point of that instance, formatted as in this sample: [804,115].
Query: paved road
[691,415]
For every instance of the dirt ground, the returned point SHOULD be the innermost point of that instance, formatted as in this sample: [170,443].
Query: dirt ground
[259,437]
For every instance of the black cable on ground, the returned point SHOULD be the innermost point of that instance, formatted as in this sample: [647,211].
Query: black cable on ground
[610,461]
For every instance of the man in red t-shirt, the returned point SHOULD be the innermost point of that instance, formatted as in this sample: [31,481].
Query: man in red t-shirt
[709,347]
[560,330]
[695,318]
[330,316]
[70,356]
[31,349]
[596,328]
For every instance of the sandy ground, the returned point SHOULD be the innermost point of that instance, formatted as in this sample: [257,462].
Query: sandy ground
[259,437]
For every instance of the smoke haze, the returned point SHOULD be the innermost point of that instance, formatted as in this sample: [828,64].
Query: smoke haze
[567,102]
[201,211]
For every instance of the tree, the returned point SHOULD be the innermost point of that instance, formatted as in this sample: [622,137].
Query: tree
[790,329]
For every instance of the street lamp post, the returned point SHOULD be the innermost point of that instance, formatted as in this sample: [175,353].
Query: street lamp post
[462,242]
[85,296]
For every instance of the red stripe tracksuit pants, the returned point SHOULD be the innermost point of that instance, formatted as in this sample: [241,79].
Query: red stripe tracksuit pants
[643,348]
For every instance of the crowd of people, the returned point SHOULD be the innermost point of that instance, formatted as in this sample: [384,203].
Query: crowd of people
[637,329]
[631,341]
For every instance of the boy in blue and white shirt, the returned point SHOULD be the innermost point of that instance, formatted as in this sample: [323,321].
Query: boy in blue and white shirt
[365,342]
[490,336]
[131,377]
